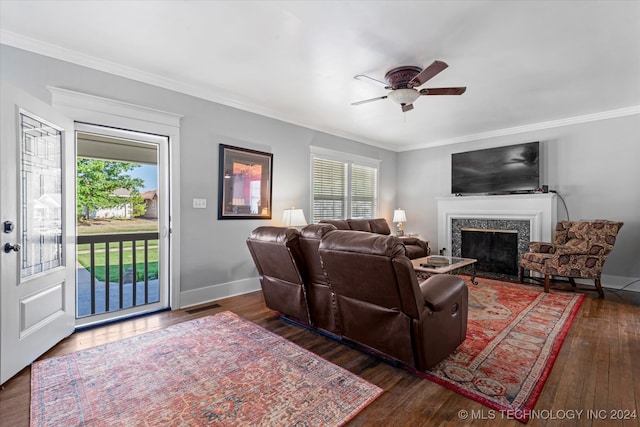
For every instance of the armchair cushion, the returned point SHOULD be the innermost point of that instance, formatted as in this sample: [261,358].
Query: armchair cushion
[573,247]
[599,235]
[534,261]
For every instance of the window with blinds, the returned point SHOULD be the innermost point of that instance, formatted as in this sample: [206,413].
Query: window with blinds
[343,189]
[329,189]
[364,189]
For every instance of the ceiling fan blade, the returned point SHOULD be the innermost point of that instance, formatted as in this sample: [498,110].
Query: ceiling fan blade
[364,78]
[428,73]
[444,91]
[406,107]
[369,100]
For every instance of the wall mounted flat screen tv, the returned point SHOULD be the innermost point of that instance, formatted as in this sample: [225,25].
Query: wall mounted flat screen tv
[500,170]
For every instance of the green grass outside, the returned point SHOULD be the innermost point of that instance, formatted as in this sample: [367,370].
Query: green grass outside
[115,226]
[84,258]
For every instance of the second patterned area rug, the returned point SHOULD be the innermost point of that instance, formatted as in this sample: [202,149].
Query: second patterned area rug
[514,334]
[216,370]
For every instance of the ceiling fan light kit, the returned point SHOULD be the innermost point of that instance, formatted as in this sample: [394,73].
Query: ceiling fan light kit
[403,80]
[404,96]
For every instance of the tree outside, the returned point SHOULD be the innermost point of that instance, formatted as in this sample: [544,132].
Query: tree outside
[97,182]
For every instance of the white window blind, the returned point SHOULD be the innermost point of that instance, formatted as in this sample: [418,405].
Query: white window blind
[343,188]
[364,188]
[329,189]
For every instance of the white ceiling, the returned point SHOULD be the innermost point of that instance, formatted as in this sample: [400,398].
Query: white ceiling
[526,64]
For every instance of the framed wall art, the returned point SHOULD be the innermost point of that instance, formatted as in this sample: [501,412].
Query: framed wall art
[244,183]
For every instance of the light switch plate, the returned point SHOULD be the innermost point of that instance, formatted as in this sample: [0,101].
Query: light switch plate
[199,203]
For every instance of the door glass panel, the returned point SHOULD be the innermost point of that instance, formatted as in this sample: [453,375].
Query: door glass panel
[41,196]
[118,243]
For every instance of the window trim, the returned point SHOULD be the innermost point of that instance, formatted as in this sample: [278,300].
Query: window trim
[350,159]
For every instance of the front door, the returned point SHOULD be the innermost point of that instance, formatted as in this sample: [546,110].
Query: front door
[37,229]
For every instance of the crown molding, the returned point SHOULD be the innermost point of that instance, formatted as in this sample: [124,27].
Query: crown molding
[199,91]
[53,51]
[604,115]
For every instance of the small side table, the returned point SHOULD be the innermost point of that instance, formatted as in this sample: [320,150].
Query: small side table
[444,264]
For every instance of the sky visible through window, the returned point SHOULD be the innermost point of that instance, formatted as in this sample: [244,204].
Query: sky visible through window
[149,173]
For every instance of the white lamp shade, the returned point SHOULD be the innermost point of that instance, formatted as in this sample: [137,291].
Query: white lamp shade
[399,216]
[293,218]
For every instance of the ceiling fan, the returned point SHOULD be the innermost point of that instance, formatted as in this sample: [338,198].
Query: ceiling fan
[403,81]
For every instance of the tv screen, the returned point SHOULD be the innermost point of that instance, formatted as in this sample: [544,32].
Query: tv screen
[500,170]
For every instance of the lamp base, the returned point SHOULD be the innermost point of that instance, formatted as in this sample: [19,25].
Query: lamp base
[400,230]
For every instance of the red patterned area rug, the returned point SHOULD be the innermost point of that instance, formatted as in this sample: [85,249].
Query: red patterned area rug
[217,370]
[514,334]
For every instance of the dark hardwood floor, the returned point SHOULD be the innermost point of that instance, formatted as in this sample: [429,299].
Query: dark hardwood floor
[597,369]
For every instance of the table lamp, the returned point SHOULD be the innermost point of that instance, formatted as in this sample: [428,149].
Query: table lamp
[293,217]
[399,216]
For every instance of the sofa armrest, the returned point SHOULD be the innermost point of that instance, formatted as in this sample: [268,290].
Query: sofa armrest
[441,290]
[408,240]
[542,247]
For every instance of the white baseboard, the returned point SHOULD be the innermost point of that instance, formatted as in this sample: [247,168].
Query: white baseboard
[252,284]
[619,282]
[608,281]
[218,291]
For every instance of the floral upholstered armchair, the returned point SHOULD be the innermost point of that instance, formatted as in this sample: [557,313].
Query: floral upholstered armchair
[579,249]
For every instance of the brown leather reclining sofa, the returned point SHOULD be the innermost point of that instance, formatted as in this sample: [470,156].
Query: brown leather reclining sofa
[360,288]
[414,247]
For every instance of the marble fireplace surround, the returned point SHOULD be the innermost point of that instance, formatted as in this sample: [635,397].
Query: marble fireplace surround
[523,227]
[533,215]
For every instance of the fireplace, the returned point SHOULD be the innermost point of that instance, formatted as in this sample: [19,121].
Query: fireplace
[491,254]
[521,218]
[495,250]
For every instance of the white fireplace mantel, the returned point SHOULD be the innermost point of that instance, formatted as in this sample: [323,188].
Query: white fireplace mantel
[540,209]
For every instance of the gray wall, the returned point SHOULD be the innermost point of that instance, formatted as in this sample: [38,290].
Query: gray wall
[212,252]
[593,166]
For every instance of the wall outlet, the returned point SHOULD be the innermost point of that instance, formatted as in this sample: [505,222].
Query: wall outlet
[199,203]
